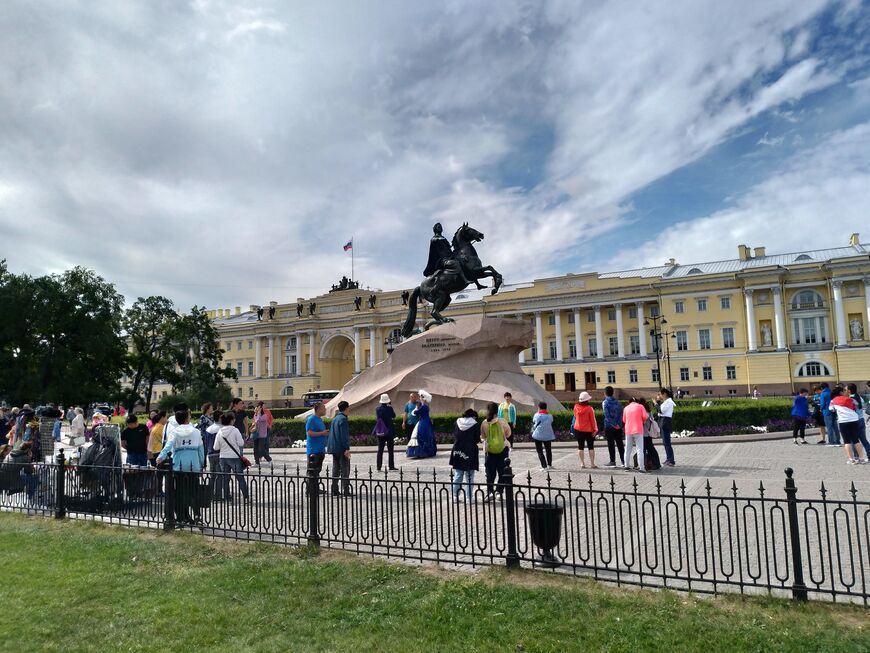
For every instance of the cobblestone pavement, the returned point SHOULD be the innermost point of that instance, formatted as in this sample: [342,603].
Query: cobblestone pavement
[746,464]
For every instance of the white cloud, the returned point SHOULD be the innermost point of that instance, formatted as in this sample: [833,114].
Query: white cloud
[239,147]
[816,201]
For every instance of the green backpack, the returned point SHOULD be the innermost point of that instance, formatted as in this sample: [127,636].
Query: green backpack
[495,438]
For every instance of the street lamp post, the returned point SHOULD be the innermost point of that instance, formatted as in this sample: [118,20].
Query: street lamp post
[657,322]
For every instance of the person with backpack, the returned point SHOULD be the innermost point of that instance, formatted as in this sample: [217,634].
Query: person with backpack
[495,432]
[861,409]
[543,435]
[585,428]
[613,427]
[188,456]
[385,431]
[651,429]
[633,417]
[800,413]
[464,455]
[338,445]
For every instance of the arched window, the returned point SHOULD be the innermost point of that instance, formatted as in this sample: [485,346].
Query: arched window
[807,299]
[803,257]
[813,369]
[287,391]
[694,271]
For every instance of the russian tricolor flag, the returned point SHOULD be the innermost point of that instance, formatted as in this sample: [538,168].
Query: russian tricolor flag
[348,245]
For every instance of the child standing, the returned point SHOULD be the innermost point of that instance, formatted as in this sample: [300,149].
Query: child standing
[800,413]
[585,428]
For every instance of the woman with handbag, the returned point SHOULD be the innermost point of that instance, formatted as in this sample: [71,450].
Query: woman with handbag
[228,444]
[385,431]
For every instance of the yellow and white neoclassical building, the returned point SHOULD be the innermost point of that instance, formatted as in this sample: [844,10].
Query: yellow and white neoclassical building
[775,321]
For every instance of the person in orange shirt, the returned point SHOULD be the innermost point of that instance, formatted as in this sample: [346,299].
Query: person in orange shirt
[585,428]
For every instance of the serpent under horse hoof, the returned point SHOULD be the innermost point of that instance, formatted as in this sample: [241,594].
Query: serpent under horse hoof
[450,268]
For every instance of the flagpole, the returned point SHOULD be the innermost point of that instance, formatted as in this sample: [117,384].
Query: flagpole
[351,258]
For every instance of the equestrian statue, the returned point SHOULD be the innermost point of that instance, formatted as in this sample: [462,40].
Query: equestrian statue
[449,270]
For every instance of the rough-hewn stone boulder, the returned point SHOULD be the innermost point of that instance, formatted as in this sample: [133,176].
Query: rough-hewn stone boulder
[463,364]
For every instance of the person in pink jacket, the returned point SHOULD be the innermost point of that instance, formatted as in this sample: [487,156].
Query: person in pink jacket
[633,416]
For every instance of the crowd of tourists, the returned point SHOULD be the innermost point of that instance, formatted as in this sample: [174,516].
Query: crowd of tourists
[842,415]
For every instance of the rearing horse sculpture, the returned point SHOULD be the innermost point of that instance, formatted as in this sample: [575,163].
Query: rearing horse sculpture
[450,270]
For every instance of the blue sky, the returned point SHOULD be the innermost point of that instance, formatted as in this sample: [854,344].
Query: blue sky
[221,153]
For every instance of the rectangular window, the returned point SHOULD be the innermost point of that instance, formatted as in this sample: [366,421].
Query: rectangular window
[632,312]
[250,392]
[239,348]
[732,392]
[654,310]
[611,376]
[809,328]
[728,337]
[250,368]
[229,345]
[292,343]
[551,319]
[571,317]
[572,348]
[250,344]
[684,374]
[679,307]
[613,345]
[707,372]
[534,352]
[725,303]
[702,305]
[634,343]
[239,370]
[655,375]
[704,338]
[590,316]
[592,345]
[611,315]
[731,372]
[682,341]
[632,376]
[552,347]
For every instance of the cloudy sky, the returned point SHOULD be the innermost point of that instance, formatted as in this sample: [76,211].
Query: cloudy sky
[221,153]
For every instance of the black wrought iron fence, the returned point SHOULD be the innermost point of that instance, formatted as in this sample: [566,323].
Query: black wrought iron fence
[702,542]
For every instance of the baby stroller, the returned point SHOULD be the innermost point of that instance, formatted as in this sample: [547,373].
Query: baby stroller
[99,473]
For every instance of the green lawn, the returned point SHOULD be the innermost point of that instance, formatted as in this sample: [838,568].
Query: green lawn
[77,586]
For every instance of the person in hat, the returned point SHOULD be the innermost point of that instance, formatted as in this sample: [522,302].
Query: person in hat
[385,431]
[422,443]
[585,427]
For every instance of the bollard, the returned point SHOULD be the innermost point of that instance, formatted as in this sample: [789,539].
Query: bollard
[60,487]
[798,588]
[313,507]
[512,560]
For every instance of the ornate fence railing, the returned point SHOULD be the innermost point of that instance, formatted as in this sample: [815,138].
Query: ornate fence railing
[806,547]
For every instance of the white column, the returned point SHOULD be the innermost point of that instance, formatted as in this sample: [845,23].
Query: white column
[312,345]
[270,370]
[867,307]
[750,321]
[599,336]
[259,356]
[779,319]
[839,314]
[558,319]
[641,329]
[300,361]
[357,354]
[620,336]
[578,334]
[521,357]
[539,336]
[372,345]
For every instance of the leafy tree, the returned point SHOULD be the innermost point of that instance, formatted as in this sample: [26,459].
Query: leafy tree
[200,375]
[150,326]
[61,339]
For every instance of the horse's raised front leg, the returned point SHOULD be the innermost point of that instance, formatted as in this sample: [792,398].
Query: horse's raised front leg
[489,271]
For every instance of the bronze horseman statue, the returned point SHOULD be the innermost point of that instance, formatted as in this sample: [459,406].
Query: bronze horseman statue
[449,270]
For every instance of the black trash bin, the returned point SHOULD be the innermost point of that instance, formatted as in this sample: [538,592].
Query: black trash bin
[545,525]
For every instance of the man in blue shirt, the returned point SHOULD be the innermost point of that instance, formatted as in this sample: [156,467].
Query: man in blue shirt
[409,418]
[800,412]
[315,442]
[613,427]
[829,416]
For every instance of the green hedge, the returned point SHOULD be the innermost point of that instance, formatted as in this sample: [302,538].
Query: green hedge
[750,413]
